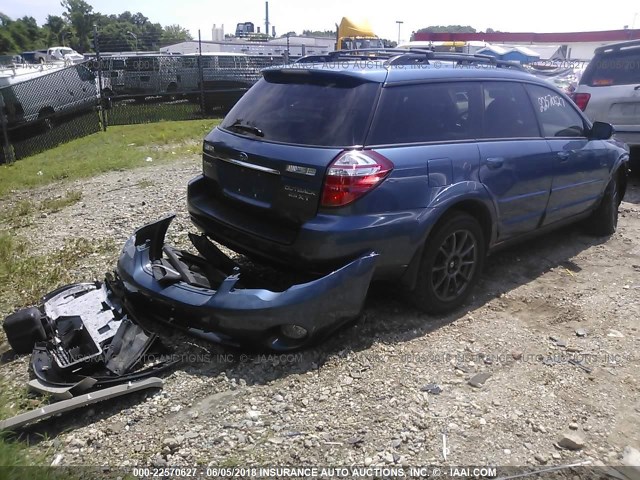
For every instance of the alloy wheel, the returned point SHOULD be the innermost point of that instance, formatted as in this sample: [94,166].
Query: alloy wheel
[454,265]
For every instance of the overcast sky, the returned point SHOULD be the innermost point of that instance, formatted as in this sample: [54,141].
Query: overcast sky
[534,16]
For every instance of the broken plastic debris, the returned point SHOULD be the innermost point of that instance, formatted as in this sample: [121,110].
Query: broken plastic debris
[74,403]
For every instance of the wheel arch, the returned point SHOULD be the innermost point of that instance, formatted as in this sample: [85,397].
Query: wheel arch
[621,174]
[479,207]
[44,111]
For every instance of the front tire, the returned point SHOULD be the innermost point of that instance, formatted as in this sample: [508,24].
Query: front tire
[451,264]
[604,220]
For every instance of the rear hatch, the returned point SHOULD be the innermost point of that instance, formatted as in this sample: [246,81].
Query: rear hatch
[612,81]
[270,154]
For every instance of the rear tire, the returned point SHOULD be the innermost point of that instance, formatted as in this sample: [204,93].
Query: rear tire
[604,220]
[46,120]
[171,90]
[451,264]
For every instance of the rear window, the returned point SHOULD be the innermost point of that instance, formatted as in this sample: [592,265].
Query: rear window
[619,68]
[319,110]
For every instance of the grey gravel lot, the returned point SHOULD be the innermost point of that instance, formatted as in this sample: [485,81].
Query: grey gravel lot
[507,393]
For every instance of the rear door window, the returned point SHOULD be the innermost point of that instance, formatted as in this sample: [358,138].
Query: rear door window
[558,117]
[508,112]
[305,108]
[430,112]
[85,74]
[619,68]
[226,62]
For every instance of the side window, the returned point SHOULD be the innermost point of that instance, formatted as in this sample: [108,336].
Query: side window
[85,74]
[508,112]
[430,112]
[558,117]
[226,62]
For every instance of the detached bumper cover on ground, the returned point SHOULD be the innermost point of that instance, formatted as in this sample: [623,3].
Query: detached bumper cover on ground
[110,323]
[208,294]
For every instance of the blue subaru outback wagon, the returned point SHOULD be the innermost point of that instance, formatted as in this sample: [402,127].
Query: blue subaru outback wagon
[429,160]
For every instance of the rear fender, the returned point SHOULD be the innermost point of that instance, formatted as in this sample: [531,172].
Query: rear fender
[460,196]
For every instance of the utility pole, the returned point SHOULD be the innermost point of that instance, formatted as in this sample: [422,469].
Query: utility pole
[96,47]
[399,22]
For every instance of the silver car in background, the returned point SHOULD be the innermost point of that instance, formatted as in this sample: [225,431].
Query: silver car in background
[609,91]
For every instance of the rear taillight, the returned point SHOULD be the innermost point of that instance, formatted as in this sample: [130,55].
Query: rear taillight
[581,100]
[352,174]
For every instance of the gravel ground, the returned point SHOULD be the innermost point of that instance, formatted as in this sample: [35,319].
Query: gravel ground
[368,396]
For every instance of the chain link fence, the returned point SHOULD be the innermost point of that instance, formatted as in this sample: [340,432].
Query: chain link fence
[151,87]
[42,106]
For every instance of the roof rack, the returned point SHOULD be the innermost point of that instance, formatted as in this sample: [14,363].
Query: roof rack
[403,56]
[617,46]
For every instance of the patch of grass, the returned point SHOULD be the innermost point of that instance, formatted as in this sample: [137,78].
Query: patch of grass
[145,183]
[52,205]
[119,148]
[21,214]
[24,278]
[14,453]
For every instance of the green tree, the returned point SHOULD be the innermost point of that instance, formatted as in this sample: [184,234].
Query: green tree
[448,29]
[139,19]
[19,35]
[7,45]
[175,33]
[55,27]
[80,15]
[151,36]
[319,33]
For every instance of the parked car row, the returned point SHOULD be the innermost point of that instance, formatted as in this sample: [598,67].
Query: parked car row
[225,76]
[42,95]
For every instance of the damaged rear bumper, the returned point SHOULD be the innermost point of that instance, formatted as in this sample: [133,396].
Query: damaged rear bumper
[205,294]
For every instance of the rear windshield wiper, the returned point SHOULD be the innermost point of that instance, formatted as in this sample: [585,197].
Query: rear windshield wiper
[246,128]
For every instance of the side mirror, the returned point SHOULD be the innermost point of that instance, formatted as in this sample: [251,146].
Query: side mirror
[601,131]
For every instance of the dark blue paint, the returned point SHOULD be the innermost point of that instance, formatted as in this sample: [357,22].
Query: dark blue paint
[521,185]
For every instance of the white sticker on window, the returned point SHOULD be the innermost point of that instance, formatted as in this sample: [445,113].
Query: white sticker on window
[549,101]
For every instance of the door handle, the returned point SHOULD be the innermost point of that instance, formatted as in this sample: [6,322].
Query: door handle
[495,162]
[564,156]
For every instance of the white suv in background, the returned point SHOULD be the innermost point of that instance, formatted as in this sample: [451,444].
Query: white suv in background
[609,91]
